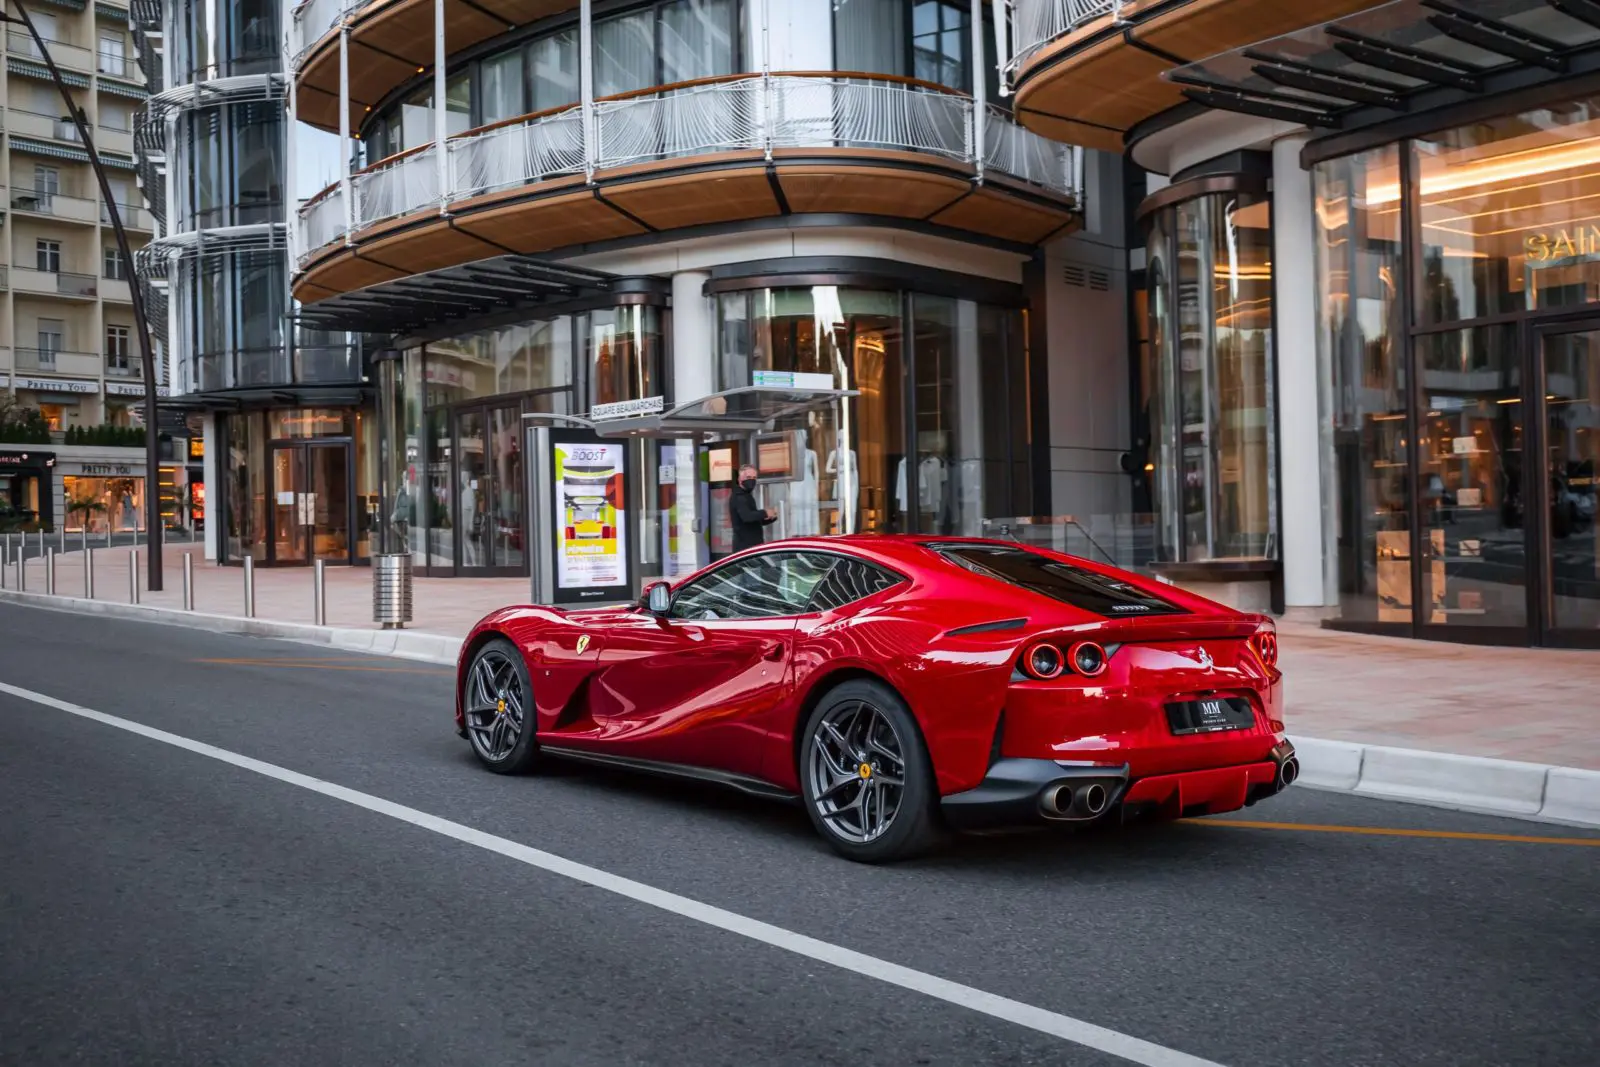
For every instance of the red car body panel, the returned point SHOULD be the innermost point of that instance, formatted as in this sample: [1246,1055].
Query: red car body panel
[730,695]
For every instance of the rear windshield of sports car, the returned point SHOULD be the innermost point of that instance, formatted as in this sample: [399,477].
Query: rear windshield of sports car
[1056,579]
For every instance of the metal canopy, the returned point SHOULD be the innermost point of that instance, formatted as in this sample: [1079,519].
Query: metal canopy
[454,294]
[1386,56]
[746,409]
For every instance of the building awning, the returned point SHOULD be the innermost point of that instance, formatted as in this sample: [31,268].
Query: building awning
[745,409]
[110,12]
[127,89]
[455,294]
[45,148]
[31,69]
[1387,60]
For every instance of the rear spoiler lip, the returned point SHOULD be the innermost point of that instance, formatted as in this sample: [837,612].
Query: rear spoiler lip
[1171,628]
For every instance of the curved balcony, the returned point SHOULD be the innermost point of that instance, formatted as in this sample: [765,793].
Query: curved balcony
[391,41]
[720,151]
[1088,71]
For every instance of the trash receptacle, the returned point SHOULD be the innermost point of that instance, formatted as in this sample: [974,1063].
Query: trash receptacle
[391,589]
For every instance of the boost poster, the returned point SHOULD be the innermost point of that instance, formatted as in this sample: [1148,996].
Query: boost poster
[591,519]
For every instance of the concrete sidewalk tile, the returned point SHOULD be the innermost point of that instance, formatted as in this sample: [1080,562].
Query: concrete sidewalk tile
[1468,782]
[1572,795]
[1328,764]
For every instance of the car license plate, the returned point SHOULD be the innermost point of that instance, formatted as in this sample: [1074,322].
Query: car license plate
[1210,715]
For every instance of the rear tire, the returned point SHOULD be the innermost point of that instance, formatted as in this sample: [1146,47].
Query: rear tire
[866,776]
[497,698]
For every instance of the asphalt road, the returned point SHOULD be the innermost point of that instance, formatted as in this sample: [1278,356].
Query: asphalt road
[162,906]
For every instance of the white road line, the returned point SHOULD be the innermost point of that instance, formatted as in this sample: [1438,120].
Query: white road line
[1048,1022]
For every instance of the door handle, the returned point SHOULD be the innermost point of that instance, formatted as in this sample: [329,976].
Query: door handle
[772,650]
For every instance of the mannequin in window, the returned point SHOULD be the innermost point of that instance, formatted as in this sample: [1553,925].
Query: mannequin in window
[803,498]
[847,487]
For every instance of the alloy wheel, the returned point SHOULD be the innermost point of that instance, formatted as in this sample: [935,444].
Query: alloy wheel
[857,770]
[495,705]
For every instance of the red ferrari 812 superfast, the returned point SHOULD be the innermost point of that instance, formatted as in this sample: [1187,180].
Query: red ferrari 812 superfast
[898,687]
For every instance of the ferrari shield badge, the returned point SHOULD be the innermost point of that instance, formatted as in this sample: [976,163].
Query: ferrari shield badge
[583,643]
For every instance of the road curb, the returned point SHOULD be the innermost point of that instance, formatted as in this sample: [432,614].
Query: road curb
[1533,791]
[405,644]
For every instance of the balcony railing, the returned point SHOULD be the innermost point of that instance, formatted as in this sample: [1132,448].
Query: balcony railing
[133,216]
[314,18]
[70,56]
[117,65]
[123,367]
[1035,23]
[54,283]
[743,113]
[57,361]
[56,205]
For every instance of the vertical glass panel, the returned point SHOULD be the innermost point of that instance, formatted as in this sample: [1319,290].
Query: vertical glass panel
[416,119]
[234,494]
[472,489]
[870,35]
[553,71]
[931,490]
[1164,477]
[1474,494]
[1002,365]
[329,505]
[866,326]
[1572,436]
[1362,395]
[550,353]
[290,489]
[257,137]
[1243,504]
[502,81]
[439,538]
[939,41]
[508,478]
[624,354]
[458,104]
[1195,401]
[625,53]
[699,39]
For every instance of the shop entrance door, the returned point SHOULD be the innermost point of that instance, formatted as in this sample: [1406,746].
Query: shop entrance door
[1567,431]
[490,491]
[311,503]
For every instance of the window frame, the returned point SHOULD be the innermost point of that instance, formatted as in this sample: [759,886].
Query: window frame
[810,607]
[47,250]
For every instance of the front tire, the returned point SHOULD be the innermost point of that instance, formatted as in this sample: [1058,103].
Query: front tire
[866,776]
[498,700]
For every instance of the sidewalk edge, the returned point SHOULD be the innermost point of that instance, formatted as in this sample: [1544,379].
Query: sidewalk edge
[1536,792]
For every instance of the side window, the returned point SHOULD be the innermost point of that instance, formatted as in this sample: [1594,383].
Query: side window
[767,586]
[849,580]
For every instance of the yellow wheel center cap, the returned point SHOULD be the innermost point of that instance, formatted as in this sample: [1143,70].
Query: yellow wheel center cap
[500,707]
[865,770]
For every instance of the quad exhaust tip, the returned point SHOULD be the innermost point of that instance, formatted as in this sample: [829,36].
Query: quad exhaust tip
[1065,802]
[1057,800]
[1094,799]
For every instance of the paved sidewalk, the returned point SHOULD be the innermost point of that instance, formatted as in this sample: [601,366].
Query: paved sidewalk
[1533,705]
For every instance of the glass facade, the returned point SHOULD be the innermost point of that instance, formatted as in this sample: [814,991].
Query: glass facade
[212,40]
[1461,408]
[1211,408]
[935,441]
[297,485]
[229,166]
[657,44]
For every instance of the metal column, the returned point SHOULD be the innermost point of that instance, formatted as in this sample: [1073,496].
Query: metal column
[441,129]
[591,145]
[344,133]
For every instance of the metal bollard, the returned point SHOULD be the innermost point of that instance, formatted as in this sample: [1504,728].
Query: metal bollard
[188,582]
[88,573]
[63,539]
[5,559]
[319,593]
[49,572]
[133,575]
[22,566]
[249,587]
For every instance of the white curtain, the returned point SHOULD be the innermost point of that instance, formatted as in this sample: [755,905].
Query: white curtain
[870,35]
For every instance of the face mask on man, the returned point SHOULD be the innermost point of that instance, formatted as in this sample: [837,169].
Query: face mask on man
[748,483]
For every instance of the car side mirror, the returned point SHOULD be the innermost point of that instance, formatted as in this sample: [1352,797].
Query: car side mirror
[658,598]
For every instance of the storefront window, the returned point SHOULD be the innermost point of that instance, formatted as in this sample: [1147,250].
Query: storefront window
[1213,416]
[859,466]
[102,504]
[1459,440]
[243,492]
[1366,521]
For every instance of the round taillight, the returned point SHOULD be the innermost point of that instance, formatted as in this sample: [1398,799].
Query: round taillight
[1267,644]
[1043,660]
[1088,658]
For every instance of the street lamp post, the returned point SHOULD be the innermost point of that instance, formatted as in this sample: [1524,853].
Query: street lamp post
[152,457]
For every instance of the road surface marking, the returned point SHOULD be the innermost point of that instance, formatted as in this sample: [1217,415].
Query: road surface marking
[321,665]
[1384,831]
[1077,1031]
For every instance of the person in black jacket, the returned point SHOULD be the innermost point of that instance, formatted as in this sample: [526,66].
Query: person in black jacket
[748,520]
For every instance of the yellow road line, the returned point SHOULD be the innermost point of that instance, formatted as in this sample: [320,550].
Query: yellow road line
[1384,831]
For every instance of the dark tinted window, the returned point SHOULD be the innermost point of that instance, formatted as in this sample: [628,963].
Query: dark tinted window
[849,580]
[1059,580]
